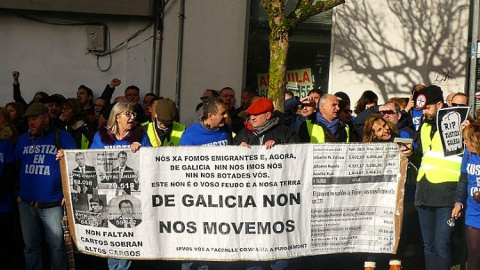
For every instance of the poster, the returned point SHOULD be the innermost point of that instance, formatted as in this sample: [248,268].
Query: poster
[236,203]
[299,81]
[448,124]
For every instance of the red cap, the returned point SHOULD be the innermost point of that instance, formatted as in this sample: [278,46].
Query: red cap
[261,105]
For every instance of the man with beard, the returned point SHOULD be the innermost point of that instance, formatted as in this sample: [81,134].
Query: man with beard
[40,198]
[436,183]
[263,128]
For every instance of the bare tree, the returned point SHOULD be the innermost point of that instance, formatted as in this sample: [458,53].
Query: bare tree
[429,46]
[282,26]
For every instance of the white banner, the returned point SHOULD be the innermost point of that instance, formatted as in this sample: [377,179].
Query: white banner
[234,203]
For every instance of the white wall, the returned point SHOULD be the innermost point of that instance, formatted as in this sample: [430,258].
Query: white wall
[388,46]
[213,53]
[52,58]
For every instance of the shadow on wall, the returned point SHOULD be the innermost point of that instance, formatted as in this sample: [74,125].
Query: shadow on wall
[397,44]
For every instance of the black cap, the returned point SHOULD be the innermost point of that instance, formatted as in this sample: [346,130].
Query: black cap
[429,95]
[57,98]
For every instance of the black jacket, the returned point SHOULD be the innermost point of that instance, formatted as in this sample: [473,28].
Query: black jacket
[280,133]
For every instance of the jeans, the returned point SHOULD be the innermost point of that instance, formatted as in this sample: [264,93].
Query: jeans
[118,264]
[437,236]
[39,225]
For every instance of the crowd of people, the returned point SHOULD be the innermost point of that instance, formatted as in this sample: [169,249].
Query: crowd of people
[33,134]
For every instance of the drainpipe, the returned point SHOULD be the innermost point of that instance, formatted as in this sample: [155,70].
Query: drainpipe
[181,17]
[159,9]
[472,88]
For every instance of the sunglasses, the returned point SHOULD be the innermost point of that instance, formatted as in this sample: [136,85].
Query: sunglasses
[203,98]
[458,104]
[388,112]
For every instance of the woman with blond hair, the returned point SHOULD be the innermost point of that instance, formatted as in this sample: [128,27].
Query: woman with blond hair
[121,131]
[468,193]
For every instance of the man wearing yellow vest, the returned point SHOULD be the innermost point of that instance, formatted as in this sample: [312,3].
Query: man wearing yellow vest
[164,130]
[326,127]
[436,183]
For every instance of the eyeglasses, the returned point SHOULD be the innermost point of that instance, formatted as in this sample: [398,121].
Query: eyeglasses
[388,112]
[128,114]
[458,104]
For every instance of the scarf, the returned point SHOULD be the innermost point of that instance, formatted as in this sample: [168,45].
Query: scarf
[261,129]
[332,126]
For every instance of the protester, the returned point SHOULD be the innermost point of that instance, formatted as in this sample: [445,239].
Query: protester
[121,131]
[293,120]
[73,117]
[211,129]
[110,89]
[147,107]
[459,99]
[316,94]
[40,198]
[345,115]
[367,100]
[437,179]
[468,194]
[392,113]
[9,132]
[206,95]
[85,98]
[7,198]
[164,130]
[16,111]
[54,105]
[326,127]
[308,108]
[17,95]
[415,113]
[262,128]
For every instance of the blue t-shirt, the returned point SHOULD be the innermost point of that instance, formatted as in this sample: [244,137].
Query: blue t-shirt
[40,178]
[197,135]
[6,156]
[98,144]
[471,166]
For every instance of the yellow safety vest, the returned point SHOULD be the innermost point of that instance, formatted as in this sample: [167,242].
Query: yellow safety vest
[85,142]
[317,135]
[175,135]
[436,167]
